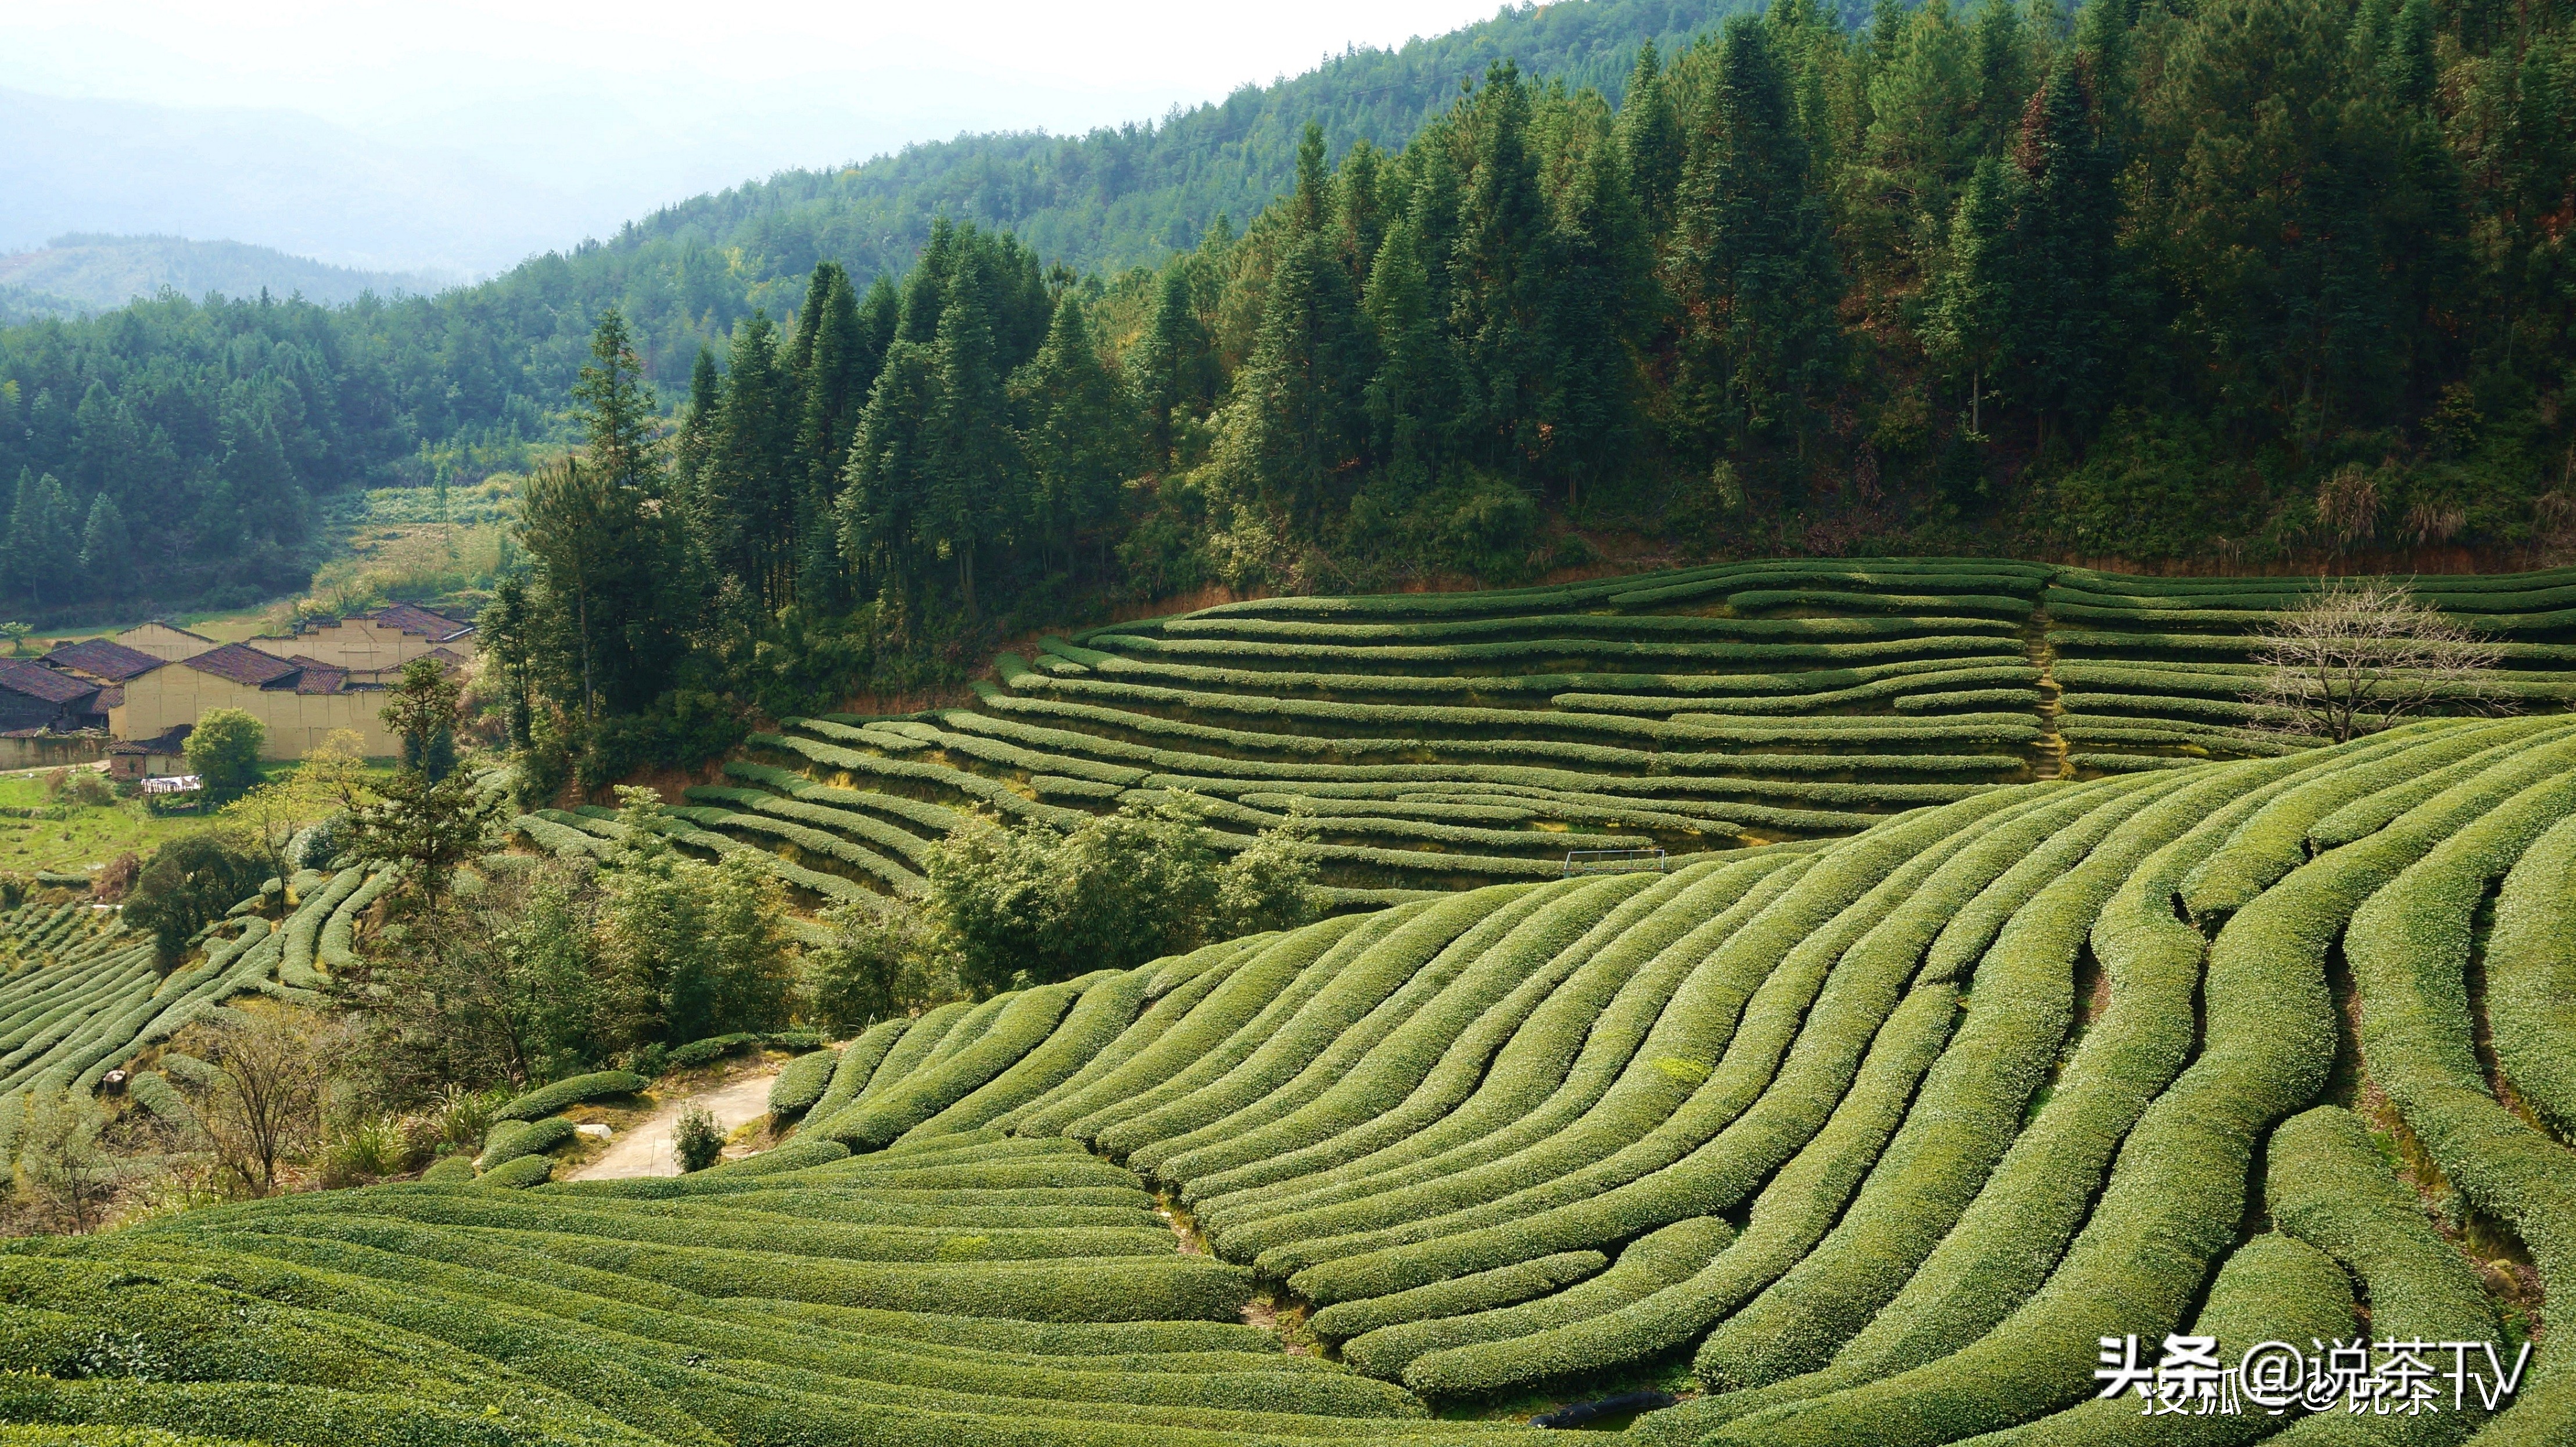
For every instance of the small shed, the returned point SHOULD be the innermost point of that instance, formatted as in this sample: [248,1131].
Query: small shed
[164,756]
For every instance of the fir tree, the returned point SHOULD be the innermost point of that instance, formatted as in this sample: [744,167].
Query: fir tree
[974,464]
[619,425]
[1499,287]
[1083,438]
[1650,138]
[883,507]
[1597,274]
[925,290]
[1415,397]
[105,545]
[834,347]
[2067,230]
[1757,258]
[697,429]
[753,470]
[1969,327]
[1299,395]
[1175,369]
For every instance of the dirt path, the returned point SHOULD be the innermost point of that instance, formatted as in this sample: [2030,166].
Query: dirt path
[645,1148]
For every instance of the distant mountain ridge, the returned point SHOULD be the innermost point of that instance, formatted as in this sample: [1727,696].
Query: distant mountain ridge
[87,272]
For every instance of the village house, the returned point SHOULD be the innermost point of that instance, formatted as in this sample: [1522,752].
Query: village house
[108,664]
[375,645]
[166,641]
[33,696]
[162,757]
[300,701]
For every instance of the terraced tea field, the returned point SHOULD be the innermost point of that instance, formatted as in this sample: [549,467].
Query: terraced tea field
[1863,1122]
[1451,740]
[1869,1141]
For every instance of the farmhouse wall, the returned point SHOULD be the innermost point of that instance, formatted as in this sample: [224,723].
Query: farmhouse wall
[296,722]
[360,645]
[164,642]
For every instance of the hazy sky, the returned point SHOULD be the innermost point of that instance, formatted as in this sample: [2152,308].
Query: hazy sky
[462,135]
[758,85]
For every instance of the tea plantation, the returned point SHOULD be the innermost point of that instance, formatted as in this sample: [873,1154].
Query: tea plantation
[1943,1050]
[1449,740]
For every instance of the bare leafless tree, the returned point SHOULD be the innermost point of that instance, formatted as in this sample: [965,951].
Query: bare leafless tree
[2363,654]
[262,1108]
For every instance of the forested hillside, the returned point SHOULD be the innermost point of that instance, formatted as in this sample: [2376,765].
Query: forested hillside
[183,391]
[2247,281]
[82,273]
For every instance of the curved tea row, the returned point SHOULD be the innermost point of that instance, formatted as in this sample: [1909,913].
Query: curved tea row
[1440,741]
[1874,1137]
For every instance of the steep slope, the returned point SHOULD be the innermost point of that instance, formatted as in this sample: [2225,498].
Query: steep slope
[1880,1136]
[1449,740]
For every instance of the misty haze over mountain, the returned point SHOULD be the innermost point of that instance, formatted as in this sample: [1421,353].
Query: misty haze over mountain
[462,139]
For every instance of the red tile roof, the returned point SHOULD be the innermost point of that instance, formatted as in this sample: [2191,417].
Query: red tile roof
[103,658]
[247,666]
[34,680]
[321,678]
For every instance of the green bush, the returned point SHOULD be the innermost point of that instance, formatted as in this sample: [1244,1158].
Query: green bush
[2531,976]
[696,1140]
[1483,1291]
[1172,991]
[1018,1023]
[854,1064]
[802,1082]
[1787,1219]
[2269,1041]
[2272,1288]
[2327,1185]
[1370,1063]
[2022,935]
[451,1171]
[223,751]
[512,1137]
[545,1100]
[517,1173]
[1360,972]
[1106,1003]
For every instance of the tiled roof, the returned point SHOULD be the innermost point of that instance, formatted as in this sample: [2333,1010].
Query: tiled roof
[321,678]
[103,658]
[109,698]
[34,680]
[247,666]
[412,618]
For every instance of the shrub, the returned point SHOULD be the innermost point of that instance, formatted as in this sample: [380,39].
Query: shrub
[510,1139]
[517,1174]
[801,1083]
[191,881]
[547,1099]
[223,751]
[696,1139]
[1534,1101]
[2531,976]
[1483,1291]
